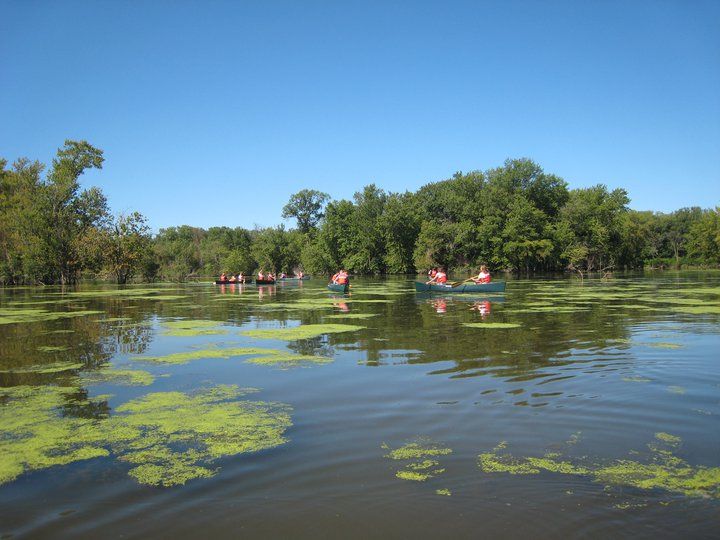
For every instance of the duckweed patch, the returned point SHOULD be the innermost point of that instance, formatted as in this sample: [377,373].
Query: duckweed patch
[169,438]
[351,316]
[284,360]
[663,345]
[204,354]
[445,492]
[420,457]
[305,331]
[128,377]
[190,327]
[636,378]
[20,316]
[145,293]
[55,367]
[663,469]
[52,348]
[488,325]
[698,310]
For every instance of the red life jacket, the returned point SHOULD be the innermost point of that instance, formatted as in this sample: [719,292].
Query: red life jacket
[441,277]
[342,278]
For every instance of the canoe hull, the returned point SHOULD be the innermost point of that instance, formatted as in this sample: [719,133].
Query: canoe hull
[492,287]
[339,288]
[245,282]
[265,281]
[293,278]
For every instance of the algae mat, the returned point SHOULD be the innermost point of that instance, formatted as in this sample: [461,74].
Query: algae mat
[167,438]
[306,331]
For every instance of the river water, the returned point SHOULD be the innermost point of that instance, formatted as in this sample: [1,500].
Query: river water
[558,409]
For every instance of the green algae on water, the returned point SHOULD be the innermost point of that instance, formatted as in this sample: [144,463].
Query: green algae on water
[185,357]
[664,470]
[663,345]
[20,316]
[352,316]
[305,331]
[55,367]
[445,492]
[285,360]
[421,457]
[169,438]
[491,325]
[636,378]
[127,377]
[190,327]
[52,348]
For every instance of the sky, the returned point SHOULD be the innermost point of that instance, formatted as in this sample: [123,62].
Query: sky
[213,113]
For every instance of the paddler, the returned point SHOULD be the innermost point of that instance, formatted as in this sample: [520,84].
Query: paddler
[439,277]
[483,276]
[341,278]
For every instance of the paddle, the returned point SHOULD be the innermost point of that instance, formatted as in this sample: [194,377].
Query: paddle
[458,283]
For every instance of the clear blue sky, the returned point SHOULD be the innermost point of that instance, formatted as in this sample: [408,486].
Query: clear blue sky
[190,98]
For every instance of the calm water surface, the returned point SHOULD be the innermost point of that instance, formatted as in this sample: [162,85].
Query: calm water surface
[589,375]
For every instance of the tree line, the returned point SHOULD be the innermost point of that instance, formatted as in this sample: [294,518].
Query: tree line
[515,217]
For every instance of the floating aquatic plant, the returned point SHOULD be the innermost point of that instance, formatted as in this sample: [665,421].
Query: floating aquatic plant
[305,331]
[185,357]
[636,378]
[192,327]
[167,437]
[52,348]
[664,470]
[129,377]
[288,360]
[421,457]
[352,316]
[491,325]
[16,315]
[55,367]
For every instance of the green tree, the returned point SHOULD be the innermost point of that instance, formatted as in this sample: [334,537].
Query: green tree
[704,237]
[367,246]
[66,213]
[306,206]
[125,243]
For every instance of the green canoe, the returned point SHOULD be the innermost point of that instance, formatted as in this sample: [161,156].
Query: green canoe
[492,287]
[339,288]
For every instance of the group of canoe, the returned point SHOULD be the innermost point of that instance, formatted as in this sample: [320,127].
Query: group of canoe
[340,282]
[261,279]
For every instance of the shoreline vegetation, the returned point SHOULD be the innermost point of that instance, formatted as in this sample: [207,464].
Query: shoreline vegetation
[514,218]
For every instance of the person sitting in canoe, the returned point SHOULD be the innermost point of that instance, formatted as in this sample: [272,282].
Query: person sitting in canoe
[223,277]
[261,275]
[341,278]
[299,274]
[483,276]
[270,276]
[232,278]
[440,277]
[283,275]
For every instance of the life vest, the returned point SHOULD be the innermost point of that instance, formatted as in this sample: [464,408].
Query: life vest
[483,278]
[342,278]
[441,277]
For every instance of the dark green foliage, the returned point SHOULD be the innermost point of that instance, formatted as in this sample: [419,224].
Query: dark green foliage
[514,217]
